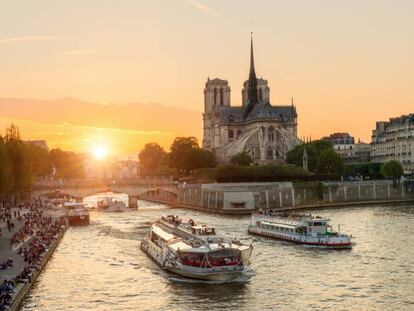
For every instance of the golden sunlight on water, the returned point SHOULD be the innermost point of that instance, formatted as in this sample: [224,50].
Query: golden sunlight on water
[101,267]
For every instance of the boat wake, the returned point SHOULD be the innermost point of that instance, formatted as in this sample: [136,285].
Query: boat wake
[118,234]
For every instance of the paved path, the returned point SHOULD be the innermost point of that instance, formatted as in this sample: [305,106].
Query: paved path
[7,252]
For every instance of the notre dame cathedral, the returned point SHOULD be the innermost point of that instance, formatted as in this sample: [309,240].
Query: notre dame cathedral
[266,132]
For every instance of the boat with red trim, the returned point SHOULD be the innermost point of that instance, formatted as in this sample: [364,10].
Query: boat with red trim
[76,213]
[301,229]
[195,251]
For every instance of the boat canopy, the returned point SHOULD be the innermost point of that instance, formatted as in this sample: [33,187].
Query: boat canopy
[180,246]
[278,225]
[162,234]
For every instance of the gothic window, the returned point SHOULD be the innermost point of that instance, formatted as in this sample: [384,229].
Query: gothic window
[231,135]
[269,153]
[215,96]
[221,97]
[277,153]
[271,134]
[257,152]
[260,94]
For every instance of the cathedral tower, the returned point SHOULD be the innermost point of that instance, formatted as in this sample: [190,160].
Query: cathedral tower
[216,94]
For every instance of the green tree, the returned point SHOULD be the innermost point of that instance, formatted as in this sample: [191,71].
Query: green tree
[392,169]
[150,159]
[21,165]
[40,161]
[241,159]
[314,150]
[329,162]
[6,180]
[67,164]
[197,158]
[178,148]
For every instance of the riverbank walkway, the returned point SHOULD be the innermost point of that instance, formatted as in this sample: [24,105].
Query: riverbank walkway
[36,234]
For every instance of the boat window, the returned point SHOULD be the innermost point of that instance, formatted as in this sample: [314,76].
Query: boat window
[318,224]
[210,231]
[238,204]
[191,259]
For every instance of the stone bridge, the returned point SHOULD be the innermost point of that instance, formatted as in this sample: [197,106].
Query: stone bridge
[133,192]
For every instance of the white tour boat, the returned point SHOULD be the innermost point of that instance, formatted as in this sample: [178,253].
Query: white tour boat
[301,229]
[195,251]
[109,205]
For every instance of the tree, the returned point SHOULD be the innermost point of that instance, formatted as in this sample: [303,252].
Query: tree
[314,150]
[150,159]
[178,148]
[197,158]
[392,169]
[329,162]
[20,163]
[67,164]
[40,160]
[6,184]
[241,159]
[21,166]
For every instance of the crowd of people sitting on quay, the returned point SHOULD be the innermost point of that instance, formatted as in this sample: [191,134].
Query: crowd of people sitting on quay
[7,288]
[6,264]
[35,236]
[33,220]
[41,240]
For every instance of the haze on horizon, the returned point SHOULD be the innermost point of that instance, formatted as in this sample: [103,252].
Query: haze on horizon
[78,72]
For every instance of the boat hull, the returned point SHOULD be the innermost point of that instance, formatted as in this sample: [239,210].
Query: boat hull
[78,220]
[222,276]
[319,244]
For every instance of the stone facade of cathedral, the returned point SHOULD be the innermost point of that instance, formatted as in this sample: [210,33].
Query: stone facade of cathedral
[266,132]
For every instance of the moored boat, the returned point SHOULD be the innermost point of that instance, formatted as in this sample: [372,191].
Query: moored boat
[195,251]
[76,213]
[300,229]
[110,205]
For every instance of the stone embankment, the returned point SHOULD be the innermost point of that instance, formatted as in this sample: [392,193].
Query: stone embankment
[243,198]
[23,289]
[11,251]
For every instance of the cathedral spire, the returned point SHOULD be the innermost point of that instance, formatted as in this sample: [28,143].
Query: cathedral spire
[252,97]
[252,73]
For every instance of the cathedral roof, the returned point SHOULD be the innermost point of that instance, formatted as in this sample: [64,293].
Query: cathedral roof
[265,110]
[261,111]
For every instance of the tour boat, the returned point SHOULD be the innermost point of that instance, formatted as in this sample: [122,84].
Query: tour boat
[300,229]
[109,205]
[195,251]
[76,213]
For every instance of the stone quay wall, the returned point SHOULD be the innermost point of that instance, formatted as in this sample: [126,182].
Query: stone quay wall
[243,198]
[23,289]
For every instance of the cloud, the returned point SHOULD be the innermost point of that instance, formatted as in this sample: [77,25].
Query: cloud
[128,126]
[27,38]
[202,7]
[79,52]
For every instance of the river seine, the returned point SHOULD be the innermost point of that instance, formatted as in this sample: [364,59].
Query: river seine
[100,267]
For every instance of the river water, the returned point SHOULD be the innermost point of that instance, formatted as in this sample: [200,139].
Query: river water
[100,267]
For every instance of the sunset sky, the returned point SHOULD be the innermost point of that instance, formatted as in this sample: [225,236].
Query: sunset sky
[125,72]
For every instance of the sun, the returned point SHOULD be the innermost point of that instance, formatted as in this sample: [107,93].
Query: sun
[100,152]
